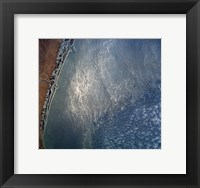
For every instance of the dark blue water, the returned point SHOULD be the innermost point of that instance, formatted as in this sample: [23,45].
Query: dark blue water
[137,125]
[109,96]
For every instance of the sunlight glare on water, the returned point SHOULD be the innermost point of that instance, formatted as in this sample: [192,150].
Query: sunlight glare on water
[109,96]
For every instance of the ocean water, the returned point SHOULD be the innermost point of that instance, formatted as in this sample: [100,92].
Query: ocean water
[109,96]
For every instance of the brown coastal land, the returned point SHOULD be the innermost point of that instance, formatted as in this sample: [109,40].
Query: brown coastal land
[48,50]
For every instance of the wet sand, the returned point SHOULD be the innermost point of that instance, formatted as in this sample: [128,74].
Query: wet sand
[48,50]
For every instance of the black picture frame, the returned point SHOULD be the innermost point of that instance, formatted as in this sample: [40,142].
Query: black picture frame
[8,8]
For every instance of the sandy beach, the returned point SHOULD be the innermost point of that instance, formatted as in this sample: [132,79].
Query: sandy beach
[48,50]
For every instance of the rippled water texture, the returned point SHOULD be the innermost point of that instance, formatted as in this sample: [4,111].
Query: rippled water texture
[109,96]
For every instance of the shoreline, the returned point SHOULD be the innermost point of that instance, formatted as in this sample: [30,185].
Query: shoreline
[48,50]
[65,47]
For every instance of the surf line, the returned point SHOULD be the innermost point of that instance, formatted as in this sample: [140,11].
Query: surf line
[66,46]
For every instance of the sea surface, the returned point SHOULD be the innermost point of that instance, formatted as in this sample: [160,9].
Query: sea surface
[109,96]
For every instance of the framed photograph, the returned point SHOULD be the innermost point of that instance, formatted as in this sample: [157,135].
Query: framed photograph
[101,94]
